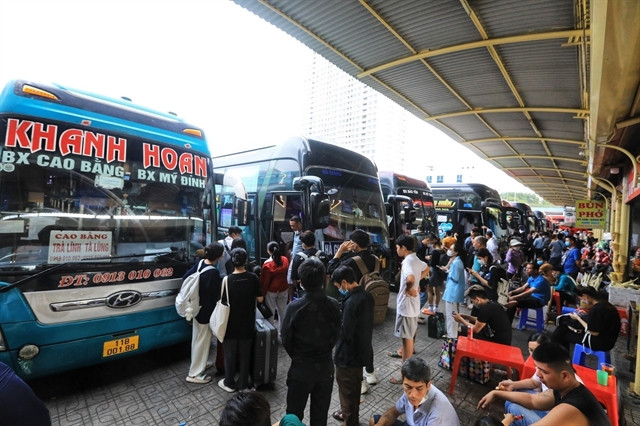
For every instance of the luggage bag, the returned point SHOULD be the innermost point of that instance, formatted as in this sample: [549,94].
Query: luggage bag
[436,325]
[265,353]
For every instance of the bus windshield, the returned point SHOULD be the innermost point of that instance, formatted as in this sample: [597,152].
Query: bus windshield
[424,207]
[58,209]
[355,203]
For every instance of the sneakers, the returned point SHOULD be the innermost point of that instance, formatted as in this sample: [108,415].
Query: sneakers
[363,387]
[370,378]
[200,379]
[222,386]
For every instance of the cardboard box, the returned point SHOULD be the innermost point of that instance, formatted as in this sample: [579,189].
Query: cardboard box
[620,296]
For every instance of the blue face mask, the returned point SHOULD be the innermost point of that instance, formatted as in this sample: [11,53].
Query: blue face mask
[343,292]
[567,243]
[539,262]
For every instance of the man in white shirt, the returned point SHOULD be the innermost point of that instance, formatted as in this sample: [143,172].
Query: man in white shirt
[408,301]
[232,233]
[492,246]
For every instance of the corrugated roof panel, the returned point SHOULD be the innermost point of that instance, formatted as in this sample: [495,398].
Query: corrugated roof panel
[428,24]
[348,27]
[564,150]
[543,72]
[528,147]
[475,76]
[510,124]
[559,125]
[503,18]
[468,127]
[421,86]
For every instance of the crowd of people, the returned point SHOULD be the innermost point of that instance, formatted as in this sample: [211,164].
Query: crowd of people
[307,288]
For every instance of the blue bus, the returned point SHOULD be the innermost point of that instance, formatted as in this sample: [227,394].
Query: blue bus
[103,205]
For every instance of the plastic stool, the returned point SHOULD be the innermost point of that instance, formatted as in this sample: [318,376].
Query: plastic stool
[580,354]
[557,302]
[525,322]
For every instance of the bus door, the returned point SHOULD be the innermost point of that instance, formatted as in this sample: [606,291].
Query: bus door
[283,205]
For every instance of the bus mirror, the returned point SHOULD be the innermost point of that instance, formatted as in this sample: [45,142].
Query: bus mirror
[388,207]
[409,214]
[320,210]
[241,211]
[301,183]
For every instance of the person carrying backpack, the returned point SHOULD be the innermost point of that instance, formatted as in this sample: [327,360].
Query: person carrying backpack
[308,240]
[358,245]
[208,293]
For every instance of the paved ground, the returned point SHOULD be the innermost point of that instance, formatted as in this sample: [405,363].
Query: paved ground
[151,389]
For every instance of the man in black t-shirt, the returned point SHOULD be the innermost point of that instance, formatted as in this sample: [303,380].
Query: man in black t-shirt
[568,400]
[488,319]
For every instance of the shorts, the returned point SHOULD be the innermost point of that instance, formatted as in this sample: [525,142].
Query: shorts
[406,327]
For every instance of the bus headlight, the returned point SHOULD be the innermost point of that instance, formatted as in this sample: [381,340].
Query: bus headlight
[28,352]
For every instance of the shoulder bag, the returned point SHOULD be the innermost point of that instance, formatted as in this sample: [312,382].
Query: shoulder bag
[220,316]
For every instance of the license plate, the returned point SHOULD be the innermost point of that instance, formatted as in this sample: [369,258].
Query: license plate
[120,346]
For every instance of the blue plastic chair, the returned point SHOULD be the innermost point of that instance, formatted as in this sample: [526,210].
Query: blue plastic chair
[525,322]
[580,355]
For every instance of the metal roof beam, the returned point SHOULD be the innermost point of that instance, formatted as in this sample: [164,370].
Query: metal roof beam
[524,157]
[524,138]
[550,169]
[580,112]
[476,45]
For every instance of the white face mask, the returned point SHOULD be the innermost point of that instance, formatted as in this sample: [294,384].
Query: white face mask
[450,253]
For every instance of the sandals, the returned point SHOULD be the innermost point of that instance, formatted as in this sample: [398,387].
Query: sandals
[394,354]
[200,379]
[395,381]
[338,415]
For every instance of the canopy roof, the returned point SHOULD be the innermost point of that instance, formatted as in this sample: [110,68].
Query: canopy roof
[523,84]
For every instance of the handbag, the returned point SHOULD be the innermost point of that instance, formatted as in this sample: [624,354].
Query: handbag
[570,323]
[220,315]
[586,342]
[475,369]
[448,353]
[264,310]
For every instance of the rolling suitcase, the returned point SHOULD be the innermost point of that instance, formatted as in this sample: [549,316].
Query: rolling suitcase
[265,353]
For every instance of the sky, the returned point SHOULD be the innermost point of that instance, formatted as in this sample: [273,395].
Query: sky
[213,63]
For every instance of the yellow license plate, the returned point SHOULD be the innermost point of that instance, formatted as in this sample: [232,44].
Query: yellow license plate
[120,346]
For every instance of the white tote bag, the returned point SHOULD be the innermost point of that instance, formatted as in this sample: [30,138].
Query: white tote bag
[220,316]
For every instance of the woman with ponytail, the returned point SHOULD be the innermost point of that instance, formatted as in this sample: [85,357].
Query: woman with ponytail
[273,280]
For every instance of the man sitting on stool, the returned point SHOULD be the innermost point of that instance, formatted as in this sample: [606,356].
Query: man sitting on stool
[568,400]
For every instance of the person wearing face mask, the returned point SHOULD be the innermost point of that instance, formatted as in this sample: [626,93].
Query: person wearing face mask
[566,286]
[572,264]
[354,343]
[310,346]
[421,401]
[454,287]
[489,275]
